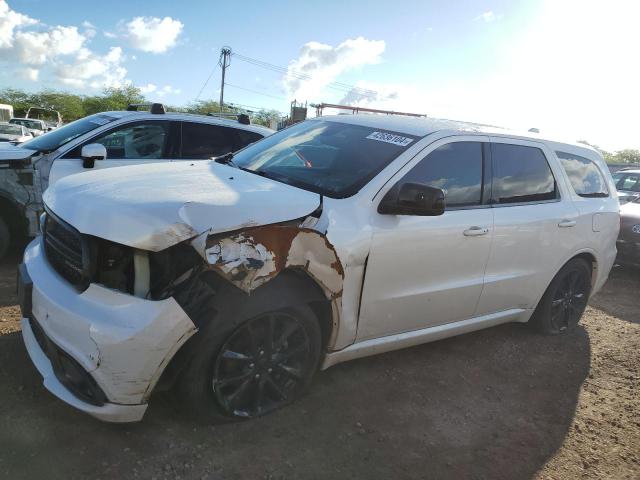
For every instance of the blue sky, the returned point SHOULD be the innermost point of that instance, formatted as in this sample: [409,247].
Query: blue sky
[547,64]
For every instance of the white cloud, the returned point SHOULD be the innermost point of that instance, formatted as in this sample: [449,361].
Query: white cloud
[319,64]
[30,74]
[159,91]
[89,29]
[93,70]
[488,17]
[59,51]
[153,34]
[36,48]
[148,88]
[10,21]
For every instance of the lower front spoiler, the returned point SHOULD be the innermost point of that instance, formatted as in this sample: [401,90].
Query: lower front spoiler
[109,412]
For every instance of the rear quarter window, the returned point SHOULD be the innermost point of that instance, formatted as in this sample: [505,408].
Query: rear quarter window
[521,174]
[584,175]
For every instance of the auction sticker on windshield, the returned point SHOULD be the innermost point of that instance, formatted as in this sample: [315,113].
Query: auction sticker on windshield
[390,138]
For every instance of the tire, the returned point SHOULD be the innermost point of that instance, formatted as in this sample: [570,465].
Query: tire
[565,299]
[236,373]
[5,238]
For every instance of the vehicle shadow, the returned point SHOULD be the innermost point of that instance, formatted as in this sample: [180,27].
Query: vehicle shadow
[493,404]
[619,296]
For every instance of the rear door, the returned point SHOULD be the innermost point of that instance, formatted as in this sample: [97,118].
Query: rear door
[203,141]
[130,143]
[534,225]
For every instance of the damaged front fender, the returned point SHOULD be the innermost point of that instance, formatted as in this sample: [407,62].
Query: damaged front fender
[254,256]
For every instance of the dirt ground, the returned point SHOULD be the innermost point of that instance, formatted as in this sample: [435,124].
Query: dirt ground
[497,404]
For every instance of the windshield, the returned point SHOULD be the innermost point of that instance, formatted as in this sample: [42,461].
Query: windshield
[58,137]
[331,158]
[10,129]
[27,123]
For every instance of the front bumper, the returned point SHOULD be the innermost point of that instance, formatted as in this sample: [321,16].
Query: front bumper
[122,342]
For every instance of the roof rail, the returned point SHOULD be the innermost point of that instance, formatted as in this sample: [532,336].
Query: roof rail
[155,108]
[242,118]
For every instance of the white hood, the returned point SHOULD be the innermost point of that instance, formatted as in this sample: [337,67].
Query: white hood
[11,152]
[154,206]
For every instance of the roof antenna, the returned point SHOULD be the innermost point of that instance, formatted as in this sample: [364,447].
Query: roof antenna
[534,130]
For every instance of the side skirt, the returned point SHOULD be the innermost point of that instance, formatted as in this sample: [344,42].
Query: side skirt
[425,335]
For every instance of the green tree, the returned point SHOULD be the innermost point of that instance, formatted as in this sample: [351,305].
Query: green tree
[264,117]
[113,98]
[608,156]
[69,105]
[627,155]
[20,100]
[203,107]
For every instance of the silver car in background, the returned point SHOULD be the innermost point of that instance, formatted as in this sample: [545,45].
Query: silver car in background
[14,133]
[628,184]
[36,127]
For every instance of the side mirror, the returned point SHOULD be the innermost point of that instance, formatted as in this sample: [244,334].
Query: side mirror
[92,152]
[413,199]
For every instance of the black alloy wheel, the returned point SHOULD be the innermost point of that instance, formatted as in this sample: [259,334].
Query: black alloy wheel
[263,365]
[569,300]
[565,299]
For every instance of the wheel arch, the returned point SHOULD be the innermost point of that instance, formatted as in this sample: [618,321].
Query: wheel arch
[291,287]
[585,254]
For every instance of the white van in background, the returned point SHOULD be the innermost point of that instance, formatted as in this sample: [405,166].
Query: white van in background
[6,112]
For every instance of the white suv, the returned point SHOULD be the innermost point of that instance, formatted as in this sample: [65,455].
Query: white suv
[233,281]
[105,140]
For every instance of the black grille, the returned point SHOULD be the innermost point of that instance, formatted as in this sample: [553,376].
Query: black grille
[66,251]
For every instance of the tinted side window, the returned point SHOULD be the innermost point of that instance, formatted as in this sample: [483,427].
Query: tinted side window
[203,141]
[456,168]
[521,174]
[245,138]
[585,176]
[132,141]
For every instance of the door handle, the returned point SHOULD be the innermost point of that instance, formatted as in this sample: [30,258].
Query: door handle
[475,231]
[567,223]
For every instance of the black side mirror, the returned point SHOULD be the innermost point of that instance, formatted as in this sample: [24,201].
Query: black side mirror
[413,199]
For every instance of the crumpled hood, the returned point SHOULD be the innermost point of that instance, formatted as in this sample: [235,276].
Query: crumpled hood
[9,151]
[154,206]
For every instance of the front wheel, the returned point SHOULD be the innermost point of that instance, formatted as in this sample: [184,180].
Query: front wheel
[262,364]
[565,300]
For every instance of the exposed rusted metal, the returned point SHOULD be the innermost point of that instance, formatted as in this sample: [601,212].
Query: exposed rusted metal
[252,257]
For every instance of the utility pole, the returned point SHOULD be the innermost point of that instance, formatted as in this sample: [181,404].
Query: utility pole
[224,62]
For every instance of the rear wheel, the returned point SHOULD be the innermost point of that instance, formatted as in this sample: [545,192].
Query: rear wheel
[262,364]
[565,300]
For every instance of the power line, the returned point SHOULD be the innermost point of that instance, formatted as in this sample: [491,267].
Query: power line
[254,91]
[205,83]
[340,86]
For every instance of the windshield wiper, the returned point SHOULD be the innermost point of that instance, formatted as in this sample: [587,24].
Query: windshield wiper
[226,159]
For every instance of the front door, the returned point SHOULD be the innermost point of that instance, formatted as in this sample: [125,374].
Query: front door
[426,271]
[128,144]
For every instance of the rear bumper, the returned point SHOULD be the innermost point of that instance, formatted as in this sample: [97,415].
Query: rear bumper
[116,341]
